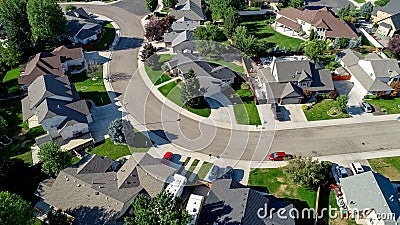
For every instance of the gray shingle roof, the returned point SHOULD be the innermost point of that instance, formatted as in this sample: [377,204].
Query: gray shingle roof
[366,81]
[392,7]
[350,57]
[191,9]
[182,37]
[185,24]
[229,202]
[296,70]
[75,27]
[79,13]
[371,190]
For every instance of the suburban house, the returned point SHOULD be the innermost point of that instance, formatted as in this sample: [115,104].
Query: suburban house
[388,18]
[230,202]
[371,74]
[54,103]
[180,41]
[176,184]
[184,24]
[207,75]
[57,62]
[284,80]
[373,196]
[191,9]
[193,206]
[81,27]
[94,192]
[323,21]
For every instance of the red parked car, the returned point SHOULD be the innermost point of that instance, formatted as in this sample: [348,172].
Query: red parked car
[167,158]
[277,156]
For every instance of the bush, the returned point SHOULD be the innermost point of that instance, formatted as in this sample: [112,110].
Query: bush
[383,110]
[245,86]
[370,97]
[305,107]
[333,94]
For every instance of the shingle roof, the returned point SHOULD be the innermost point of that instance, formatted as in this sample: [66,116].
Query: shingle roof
[230,202]
[79,13]
[323,18]
[185,24]
[392,7]
[382,196]
[191,9]
[295,70]
[81,28]
[289,23]
[350,57]
[366,81]
[182,37]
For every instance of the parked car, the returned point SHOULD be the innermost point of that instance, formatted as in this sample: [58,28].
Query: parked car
[277,156]
[278,115]
[213,173]
[167,158]
[366,107]
[356,168]
[228,173]
[341,172]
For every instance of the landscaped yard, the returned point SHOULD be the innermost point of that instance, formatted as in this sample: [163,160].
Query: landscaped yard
[260,28]
[194,165]
[233,66]
[246,112]
[155,73]
[108,148]
[320,111]
[337,221]
[204,169]
[90,88]
[10,80]
[173,92]
[108,38]
[388,167]
[392,106]
[277,184]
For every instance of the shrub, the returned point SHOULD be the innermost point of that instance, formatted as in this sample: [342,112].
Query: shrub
[333,94]
[245,86]
[305,107]
[370,97]
[383,110]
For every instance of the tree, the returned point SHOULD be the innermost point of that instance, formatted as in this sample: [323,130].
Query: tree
[57,218]
[342,103]
[246,42]
[395,86]
[53,158]
[382,3]
[69,7]
[333,94]
[314,49]
[312,34]
[232,20]
[218,7]
[340,43]
[170,3]
[163,209]
[394,45]
[151,5]
[209,32]
[190,90]
[3,125]
[46,19]
[343,12]
[116,131]
[14,210]
[307,94]
[148,55]
[366,8]
[154,29]
[306,172]
[296,3]
[14,17]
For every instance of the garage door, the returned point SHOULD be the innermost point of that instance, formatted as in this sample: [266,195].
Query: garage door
[290,101]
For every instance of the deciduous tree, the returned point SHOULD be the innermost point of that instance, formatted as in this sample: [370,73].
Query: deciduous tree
[218,7]
[148,54]
[382,2]
[14,210]
[366,8]
[116,131]
[46,19]
[296,3]
[190,90]
[53,159]
[163,209]
[245,42]
[394,45]
[231,21]
[151,5]
[314,49]
[342,103]
[154,29]
[57,218]
[170,3]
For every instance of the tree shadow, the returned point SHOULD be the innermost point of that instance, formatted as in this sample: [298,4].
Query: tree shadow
[161,137]
[119,77]
[214,212]
[128,43]
[300,205]
[85,215]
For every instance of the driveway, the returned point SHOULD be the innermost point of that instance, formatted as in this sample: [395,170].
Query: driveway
[354,97]
[102,117]
[293,113]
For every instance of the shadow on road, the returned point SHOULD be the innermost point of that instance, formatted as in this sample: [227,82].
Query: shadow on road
[128,43]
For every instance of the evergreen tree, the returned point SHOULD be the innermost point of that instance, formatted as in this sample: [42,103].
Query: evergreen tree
[190,90]
[232,20]
[151,5]
[170,3]
[116,131]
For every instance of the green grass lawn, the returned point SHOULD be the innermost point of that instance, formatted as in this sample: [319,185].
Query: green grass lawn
[260,28]
[193,166]
[388,167]
[245,110]
[10,80]
[91,89]
[319,111]
[392,106]
[277,184]
[360,1]
[155,73]
[108,148]
[173,92]
[204,169]
[107,40]
[233,66]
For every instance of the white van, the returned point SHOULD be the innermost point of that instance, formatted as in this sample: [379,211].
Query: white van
[356,168]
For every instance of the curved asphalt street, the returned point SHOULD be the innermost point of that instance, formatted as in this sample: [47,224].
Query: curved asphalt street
[190,134]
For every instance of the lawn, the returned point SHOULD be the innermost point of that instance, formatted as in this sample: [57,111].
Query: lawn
[193,166]
[319,111]
[392,106]
[243,105]
[260,28]
[204,169]
[108,148]
[173,92]
[388,167]
[155,73]
[360,1]
[233,66]
[276,183]
[10,80]
[91,89]
[107,39]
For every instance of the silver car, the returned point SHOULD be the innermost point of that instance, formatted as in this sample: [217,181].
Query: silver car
[213,173]
[366,107]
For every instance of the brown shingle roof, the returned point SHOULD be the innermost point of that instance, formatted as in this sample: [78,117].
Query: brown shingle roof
[289,23]
[323,18]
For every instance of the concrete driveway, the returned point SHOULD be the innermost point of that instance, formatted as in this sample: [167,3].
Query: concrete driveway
[293,113]
[354,97]
[102,117]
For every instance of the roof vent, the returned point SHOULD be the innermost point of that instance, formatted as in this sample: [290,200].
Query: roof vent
[96,193]
[78,185]
[390,71]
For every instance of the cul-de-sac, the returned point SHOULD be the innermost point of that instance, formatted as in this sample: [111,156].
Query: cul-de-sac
[200,112]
